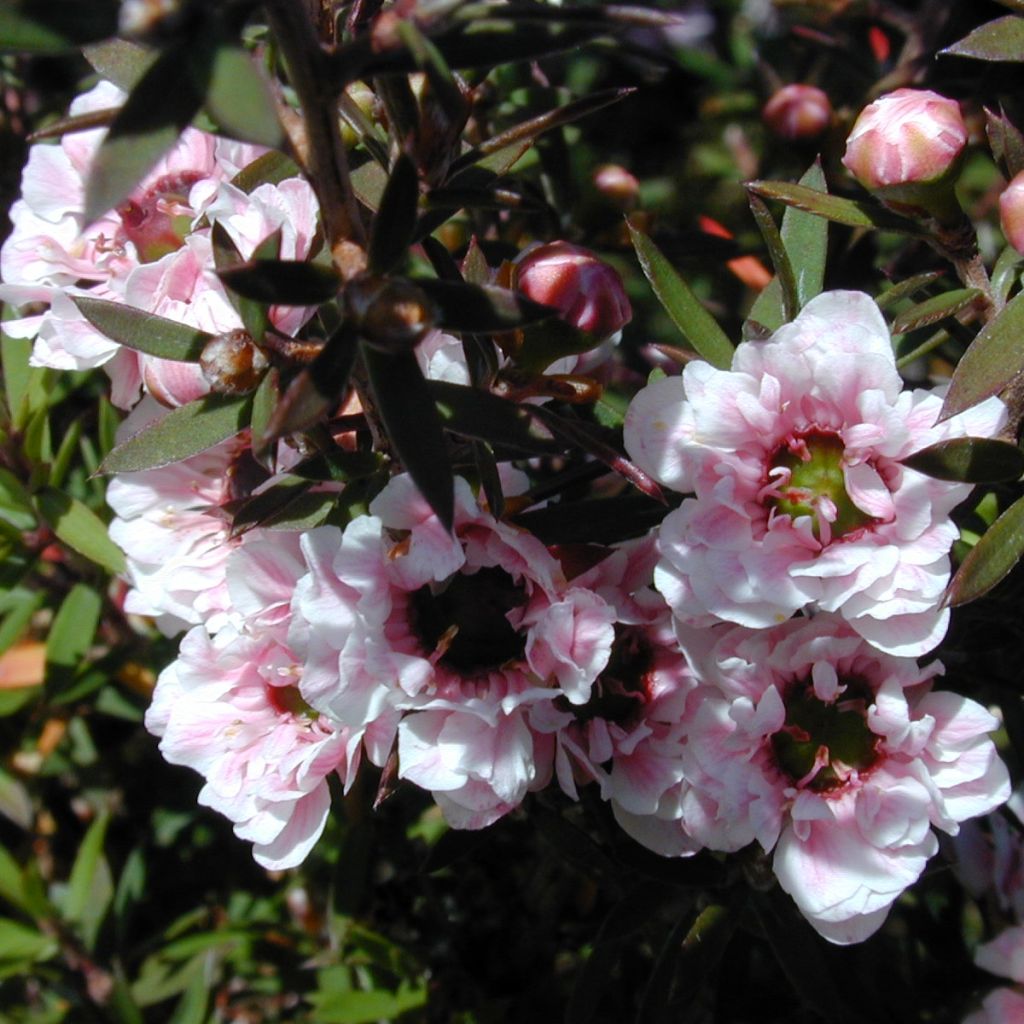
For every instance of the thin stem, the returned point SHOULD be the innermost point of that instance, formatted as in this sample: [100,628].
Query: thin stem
[325,160]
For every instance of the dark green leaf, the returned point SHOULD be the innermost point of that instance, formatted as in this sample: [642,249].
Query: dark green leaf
[120,61]
[998,551]
[271,168]
[19,942]
[842,211]
[780,259]
[85,887]
[183,432]
[695,323]
[1001,39]
[16,621]
[973,460]
[239,100]
[264,402]
[480,309]
[74,627]
[255,315]
[15,503]
[993,360]
[474,413]
[80,528]
[414,426]
[392,229]
[283,282]
[934,310]
[1005,272]
[1006,142]
[160,106]
[907,288]
[142,331]
[12,884]
[53,26]
[368,182]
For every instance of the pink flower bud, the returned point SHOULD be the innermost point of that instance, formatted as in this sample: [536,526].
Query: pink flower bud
[1011,212]
[617,184]
[586,291]
[907,137]
[798,112]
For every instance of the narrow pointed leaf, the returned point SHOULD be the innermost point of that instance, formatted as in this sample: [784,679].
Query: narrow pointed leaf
[54,26]
[264,402]
[1006,142]
[842,211]
[973,460]
[1001,40]
[283,282]
[239,99]
[991,559]
[255,315]
[182,433]
[993,360]
[120,62]
[142,331]
[368,182]
[805,239]
[934,310]
[478,414]
[784,276]
[158,108]
[414,426]
[80,528]
[905,289]
[393,226]
[82,884]
[695,323]
[271,168]
[481,309]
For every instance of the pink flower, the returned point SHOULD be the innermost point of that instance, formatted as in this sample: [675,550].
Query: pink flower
[229,707]
[1004,956]
[907,137]
[801,500]
[837,756]
[586,291]
[798,111]
[1002,1006]
[460,635]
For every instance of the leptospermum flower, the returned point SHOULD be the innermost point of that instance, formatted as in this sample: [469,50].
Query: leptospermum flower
[838,757]
[1004,956]
[459,635]
[229,707]
[800,499]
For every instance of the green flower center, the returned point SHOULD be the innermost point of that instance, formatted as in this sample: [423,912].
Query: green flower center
[821,742]
[815,464]
[467,619]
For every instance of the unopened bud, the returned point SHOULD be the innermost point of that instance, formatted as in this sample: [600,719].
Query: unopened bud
[798,112]
[232,364]
[617,184]
[173,383]
[1011,212]
[391,314]
[906,146]
[586,291]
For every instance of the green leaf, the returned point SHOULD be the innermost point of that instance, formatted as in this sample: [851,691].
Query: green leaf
[142,331]
[158,108]
[16,621]
[182,433]
[283,282]
[784,276]
[192,1006]
[1006,142]
[479,414]
[239,99]
[907,288]
[20,942]
[392,229]
[120,62]
[357,1007]
[15,502]
[54,26]
[973,460]
[934,310]
[999,40]
[414,426]
[12,883]
[998,551]
[480,309]
[994,359]
[368,182]
[842,211]
[73,627]
[255,315]
[1004,273]
[805,239]
[271,168]
[697,326]
[80,528]
[26,386]
[88,894]
[69,445]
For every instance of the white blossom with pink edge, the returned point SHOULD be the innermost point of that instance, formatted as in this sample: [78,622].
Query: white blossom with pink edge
[51,250]
[629,736]
[801,500]
[229,707]
[460,635]
[1004,956]
[838,756]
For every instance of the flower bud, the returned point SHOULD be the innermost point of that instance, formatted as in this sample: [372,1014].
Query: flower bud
[586,291]
[1011,212]
[906,146]
[615,183]
[798,112]
[391,314]
[232,364]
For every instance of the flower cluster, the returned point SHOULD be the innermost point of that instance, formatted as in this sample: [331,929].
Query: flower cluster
[744,675]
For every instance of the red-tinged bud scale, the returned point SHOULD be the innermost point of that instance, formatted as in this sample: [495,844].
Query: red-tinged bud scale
[586,291]
[798,112]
